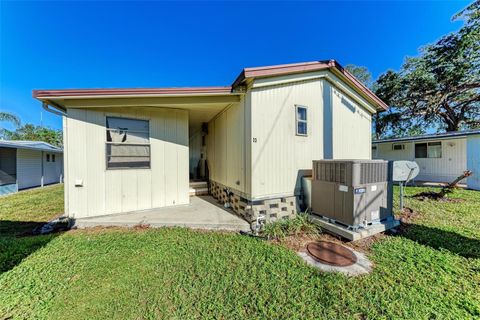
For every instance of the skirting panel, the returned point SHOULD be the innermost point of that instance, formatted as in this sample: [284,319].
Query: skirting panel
[269,210]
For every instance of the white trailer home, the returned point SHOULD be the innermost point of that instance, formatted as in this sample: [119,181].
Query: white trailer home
[441,157]
[135,149]
[27,164]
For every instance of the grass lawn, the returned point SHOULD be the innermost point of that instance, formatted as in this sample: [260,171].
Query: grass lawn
[430,271]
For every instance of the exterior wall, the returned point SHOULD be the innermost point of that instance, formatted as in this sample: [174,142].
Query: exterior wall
[352,125]
[29,168]
[338,127]
[473,161]
[226,147]
[452,163]
[104,191]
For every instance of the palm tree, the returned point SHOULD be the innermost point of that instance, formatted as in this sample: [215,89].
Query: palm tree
[6,116]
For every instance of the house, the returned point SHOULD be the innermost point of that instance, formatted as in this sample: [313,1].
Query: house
[442,157]
[27,164]
[135,149]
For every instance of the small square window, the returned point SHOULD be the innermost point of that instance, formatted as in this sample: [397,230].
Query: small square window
[53,158]
[398,146]
[301,120]
[48,157]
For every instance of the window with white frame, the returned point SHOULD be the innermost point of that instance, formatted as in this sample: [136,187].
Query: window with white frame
[398,146]
[428,150]
[128,143]
[301,120]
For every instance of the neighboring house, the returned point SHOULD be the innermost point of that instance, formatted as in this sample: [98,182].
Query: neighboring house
[135,149]
[441,157]
[26,164]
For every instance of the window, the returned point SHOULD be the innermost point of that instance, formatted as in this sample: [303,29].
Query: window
[128,144]
[53,158]
[48,157]
[428,150]
[434,149]
[398,146]
[301,120]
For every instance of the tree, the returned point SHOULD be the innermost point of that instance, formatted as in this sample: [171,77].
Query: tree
[361,73]
[6,116]
[35,133]
[441,87]
[395,122]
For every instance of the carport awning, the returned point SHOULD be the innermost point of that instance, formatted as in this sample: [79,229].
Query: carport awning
[202,103]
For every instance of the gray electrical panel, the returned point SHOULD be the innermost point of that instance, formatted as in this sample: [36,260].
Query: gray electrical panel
[355,193]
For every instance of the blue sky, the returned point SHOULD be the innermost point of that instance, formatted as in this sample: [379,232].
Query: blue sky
[55,45]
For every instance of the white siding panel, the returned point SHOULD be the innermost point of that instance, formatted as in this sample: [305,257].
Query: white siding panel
[226,147]
[351,128]
[279,156]
[29,168]
[122,190]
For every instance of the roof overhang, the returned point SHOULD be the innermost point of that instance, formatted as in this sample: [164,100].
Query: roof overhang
[135,97]
[173,97]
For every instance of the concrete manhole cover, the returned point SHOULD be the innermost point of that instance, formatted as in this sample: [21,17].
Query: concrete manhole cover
[331,253]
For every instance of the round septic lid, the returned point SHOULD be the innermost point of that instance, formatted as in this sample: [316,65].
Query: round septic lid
[331,253]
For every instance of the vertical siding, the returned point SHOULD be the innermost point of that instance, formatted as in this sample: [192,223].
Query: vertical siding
[29,168]
[279,156]
[473,161]
[452,163]
[351,128]
[113,191]
[226,147]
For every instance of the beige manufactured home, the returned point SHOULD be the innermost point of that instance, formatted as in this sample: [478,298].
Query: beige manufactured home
[134,149]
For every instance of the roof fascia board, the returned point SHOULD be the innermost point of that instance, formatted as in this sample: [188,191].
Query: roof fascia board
[60,97]
[29,148]
[414,139]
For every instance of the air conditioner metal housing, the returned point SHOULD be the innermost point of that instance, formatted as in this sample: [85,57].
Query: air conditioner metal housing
[353,193]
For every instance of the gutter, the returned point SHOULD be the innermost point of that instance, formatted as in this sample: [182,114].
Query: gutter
[58,110]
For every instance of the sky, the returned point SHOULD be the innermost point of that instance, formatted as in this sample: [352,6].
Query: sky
[60,45]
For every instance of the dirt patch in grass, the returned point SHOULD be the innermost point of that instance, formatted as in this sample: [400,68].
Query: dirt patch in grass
[298,243]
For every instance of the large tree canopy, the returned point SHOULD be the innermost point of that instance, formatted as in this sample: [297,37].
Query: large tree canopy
[442,85]
[440,88]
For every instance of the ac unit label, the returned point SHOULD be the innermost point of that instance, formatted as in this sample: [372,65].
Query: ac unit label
[360,190]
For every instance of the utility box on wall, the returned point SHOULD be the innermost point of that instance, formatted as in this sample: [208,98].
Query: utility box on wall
[353,193]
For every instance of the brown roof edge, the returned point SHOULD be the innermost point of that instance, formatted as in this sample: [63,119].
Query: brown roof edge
[284,69]
[132,91]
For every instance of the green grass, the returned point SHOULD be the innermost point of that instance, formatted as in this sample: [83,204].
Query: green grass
[184,274]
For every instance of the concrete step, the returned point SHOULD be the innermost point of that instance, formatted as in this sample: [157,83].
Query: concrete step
[195,184]
[198,188]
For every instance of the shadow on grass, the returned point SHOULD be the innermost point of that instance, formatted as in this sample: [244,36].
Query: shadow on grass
[441,239]
[17,242]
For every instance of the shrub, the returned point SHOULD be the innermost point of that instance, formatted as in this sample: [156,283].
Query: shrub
[291,227]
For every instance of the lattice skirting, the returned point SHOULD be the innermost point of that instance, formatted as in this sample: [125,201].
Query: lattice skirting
[270,210]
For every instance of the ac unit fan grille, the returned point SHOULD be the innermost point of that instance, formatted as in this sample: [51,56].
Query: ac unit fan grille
[373,172]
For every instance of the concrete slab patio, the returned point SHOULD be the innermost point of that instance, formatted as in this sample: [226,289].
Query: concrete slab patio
[203,212]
